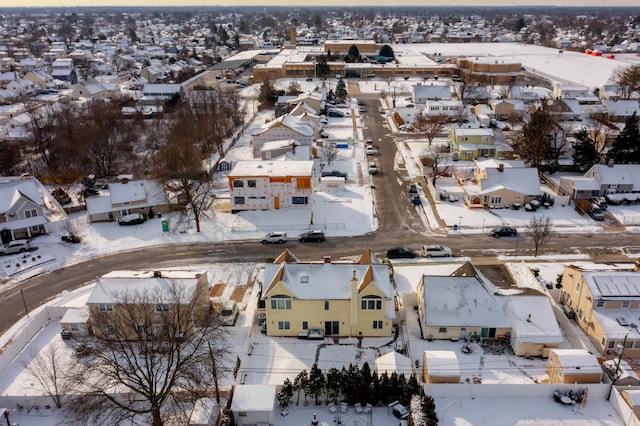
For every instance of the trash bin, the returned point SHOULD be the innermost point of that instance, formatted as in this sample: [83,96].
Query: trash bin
[165,225]
[455,227]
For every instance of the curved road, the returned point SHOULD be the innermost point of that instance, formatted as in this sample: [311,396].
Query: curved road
[399,224]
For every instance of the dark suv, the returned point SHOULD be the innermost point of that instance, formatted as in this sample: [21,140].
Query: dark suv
[401,253]
[311,236]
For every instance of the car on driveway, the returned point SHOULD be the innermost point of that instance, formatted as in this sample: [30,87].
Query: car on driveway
[414,197]
[131,219]
[334,173]
[436,250]
[503,231]
[275,238]
[401,252]
[15,246]
[311,236]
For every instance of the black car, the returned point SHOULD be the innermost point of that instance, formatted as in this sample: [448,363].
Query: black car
[503,231]
[401,253]
[334,173]
[311,236]
[335,114]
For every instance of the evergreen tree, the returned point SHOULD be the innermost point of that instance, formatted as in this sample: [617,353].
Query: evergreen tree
[333,385]
[300,384]
[341,90]
[413,388]
[316,383]
[353,55]
[385,388]
[285,394]
[429,411]
[387,52]
[626,147]
[373,397]
[268,95]
[351,379]
[585,153]
[322,67]
[362,390]
[395,390]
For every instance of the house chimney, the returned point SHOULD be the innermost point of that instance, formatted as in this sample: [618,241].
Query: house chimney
[157,274]
[501,167]
[610,162]
[327,259]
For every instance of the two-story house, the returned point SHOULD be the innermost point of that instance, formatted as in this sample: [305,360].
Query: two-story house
[341,299]
[151,296]
[270,185]
[22,208]
[127,197]
[64,70]
[469,144]
[606,303]
[285,127]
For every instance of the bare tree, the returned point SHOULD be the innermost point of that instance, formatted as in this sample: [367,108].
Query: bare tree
[627,79]
[465,84]
[437,160]
[50,368]
[461,115]
[431,125]
[602,136]
[540,229]
[157,356]
[329,152]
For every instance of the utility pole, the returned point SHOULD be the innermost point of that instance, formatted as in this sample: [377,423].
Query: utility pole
[24,302]
[616,375]
[215,373]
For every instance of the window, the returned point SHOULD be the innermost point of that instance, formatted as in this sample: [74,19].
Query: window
[371,303]
[326,305]
[496,200]
[305,325]
[30,213]
[238,184]
[580,313]
[299,200]
[377,325]
[280,302]
[162,307]
[284,325]
[105,307]
[636,345]
[74,327]
[628,344]
[238,200]
[626,304]
[442,330]
[603,341]
[600,304]
[611,344]
[251,183]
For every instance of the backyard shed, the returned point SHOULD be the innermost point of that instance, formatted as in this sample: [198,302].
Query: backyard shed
[573,366]
[254,404]
[440,367]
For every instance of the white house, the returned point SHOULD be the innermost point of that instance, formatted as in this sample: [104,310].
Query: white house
[270,185]
[284,127]
[127,197]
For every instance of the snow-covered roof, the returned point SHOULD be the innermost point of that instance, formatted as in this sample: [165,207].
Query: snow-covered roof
[252,398]
[616,284]
[617,174]
[634,396]
[75,316]
[623,107]
[442,363]
[462,302]
[394,362]
[110,287]
[533,320]
[14,188]
[582,183]
[523,180]
[577,361]
[272,168]
[291,122]
[466,132]
[145,193]
[432,91]
[492,163]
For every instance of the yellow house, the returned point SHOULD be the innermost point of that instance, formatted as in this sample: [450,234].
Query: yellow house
[340,299]
[469,144]
[606,303]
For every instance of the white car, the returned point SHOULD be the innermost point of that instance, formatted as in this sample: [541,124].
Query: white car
[435,250]
[373,169]
[15,246]
[229,313]
[275,238]
[370,150]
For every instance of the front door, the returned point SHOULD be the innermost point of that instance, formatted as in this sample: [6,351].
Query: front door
[276,203]
[331,328]
[489,332]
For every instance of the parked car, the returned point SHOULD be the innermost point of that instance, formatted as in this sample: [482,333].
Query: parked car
[324,134]
[131,219]
[275,238]
[600,201]
[334,173]
[414,197]
[342,106]
[368,142]
[436,250]
[370,150]
[334,113]
[595,212]
[15,246]
[229,313]
[412,188]
[373,169]
[311,236]
[503,231]
[401,252]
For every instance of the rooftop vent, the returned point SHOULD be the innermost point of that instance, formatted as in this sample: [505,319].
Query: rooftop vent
[304,278]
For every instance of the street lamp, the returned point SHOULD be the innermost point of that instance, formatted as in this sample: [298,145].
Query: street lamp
[460,223]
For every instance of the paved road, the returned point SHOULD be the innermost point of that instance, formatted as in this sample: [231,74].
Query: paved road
[399,224]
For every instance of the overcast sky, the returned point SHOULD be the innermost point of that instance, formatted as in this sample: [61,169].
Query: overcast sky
[480,3]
